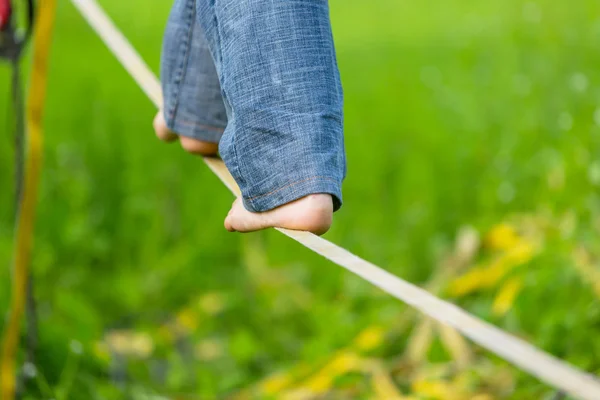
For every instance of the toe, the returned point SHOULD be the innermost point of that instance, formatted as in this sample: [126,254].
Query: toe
[161,130]
[199,147]
[241,220]
[230,219]
[229,224]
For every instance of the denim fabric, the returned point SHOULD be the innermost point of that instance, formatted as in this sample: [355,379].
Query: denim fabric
[193,105]
[280,85]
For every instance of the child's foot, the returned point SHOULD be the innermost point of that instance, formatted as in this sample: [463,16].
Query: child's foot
[313,213]
[190,145]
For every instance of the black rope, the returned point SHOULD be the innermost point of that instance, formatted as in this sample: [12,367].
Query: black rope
[30,18]
[11,49]
[19,138]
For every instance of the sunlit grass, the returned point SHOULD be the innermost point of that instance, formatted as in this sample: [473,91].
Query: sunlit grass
[457,114]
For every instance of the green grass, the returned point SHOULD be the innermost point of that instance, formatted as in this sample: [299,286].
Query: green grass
[457,113]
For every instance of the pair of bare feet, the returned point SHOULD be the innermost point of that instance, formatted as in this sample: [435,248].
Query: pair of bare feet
[313,213]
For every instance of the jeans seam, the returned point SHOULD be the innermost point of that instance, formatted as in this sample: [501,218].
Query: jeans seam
[313,178]
[238,167]
[180,77]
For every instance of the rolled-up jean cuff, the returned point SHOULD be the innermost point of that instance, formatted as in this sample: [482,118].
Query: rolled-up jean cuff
[294,191]
[195,130]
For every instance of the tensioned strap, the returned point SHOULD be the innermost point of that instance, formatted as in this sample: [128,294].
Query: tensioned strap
[549,369]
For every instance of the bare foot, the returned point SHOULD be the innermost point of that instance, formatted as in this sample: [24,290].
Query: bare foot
[161,130]
[190,145]
[313,213]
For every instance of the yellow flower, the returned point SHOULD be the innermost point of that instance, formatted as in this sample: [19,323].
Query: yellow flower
[320,384]
[369,338]
[482,278]
[343,362]
[521,253]
[506,296]
[501,237]
[275,383]
[436,390]
[468,283]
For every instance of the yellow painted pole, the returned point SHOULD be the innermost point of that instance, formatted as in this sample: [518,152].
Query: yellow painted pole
[27,207]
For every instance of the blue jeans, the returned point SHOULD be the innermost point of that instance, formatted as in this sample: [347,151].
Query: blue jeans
[259,77]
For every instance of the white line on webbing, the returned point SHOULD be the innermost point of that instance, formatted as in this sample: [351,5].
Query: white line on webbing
[549,369]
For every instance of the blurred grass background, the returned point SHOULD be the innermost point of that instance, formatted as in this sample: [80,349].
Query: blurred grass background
[472,132]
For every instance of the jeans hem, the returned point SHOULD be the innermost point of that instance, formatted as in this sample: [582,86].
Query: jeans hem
[295,191]
[196,130]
